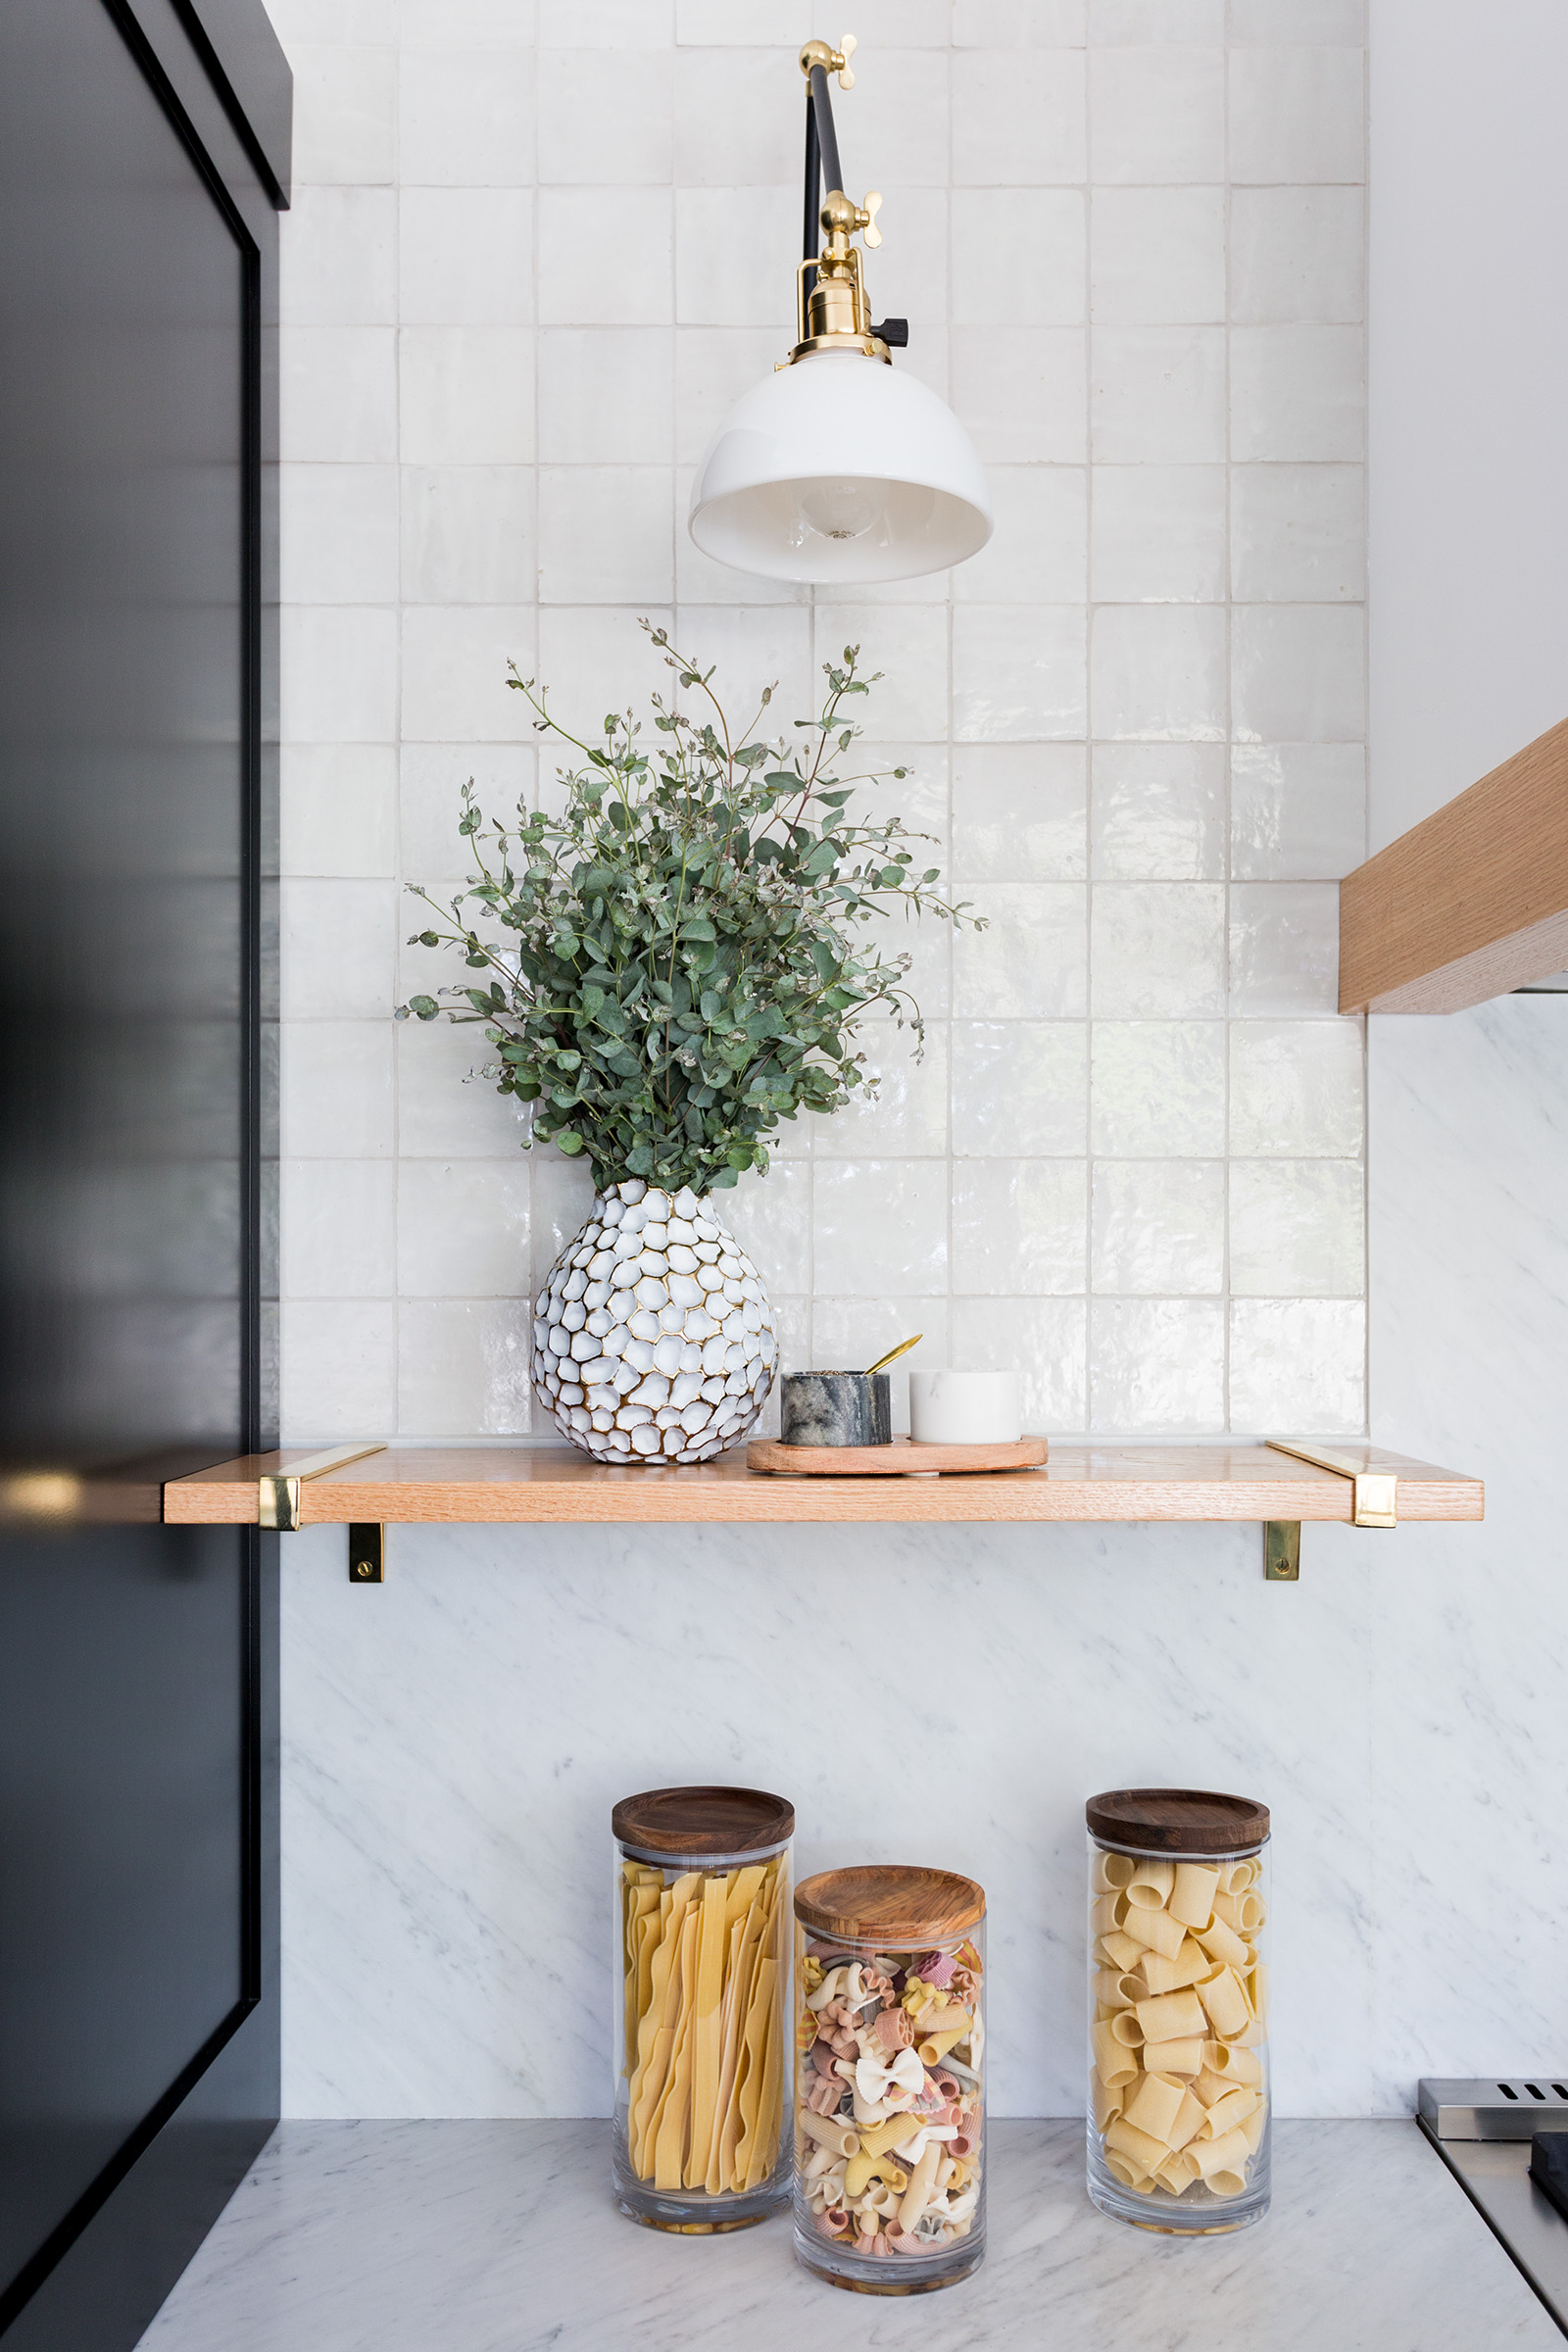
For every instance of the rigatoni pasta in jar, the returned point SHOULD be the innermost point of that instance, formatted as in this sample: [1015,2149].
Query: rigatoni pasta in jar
[1178,2124]
[702,1913]
[890,2038]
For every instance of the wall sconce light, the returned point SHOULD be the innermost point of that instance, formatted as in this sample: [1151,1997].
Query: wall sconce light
[838,469]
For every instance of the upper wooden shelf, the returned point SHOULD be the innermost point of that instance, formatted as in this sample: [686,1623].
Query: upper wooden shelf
[1471,902]
[530,1486]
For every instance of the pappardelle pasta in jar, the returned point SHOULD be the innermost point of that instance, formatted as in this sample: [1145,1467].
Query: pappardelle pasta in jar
[890,2035]
[1178,2122]
[702,1911]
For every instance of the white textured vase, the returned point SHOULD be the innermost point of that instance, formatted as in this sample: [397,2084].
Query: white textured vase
[652,1338]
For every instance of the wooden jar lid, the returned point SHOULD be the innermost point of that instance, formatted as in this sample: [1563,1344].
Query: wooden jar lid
[890,1903]
[1177,1821]
[702,1821]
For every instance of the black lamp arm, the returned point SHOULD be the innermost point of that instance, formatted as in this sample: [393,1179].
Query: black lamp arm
[827,142]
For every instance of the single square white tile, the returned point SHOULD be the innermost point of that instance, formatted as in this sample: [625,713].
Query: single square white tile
[1297,114]
[1156,950]
[751,652]
[339,670]
[338,810]
[336,1088]
[1019,1086]
[465,257]
[1038,553]
[1019,813]
[1034,276]
[1285,947]
[713,367]
[909,645]
[337,1369]
[632,278]
[1297,810]
[1158,673]
[1159,534]
[1043,1339]
[338,1229]
[1159,1228]
[1299,1366]
[1019,24]
[444,1112]
[1296,254]
[908,1115]
[1138,21]
[1020,1227]
[896,124]
[594,659]
[462,1367]
[605,395]
[1299,673]
[487,23]
[468,535]
[722,237]
[337,949]
[847,1331]
[770,1216]
[338,534]
[338,395]
[606,534]
[1297,1089]
[1017,117]
[1297,533]
[604,119]
[1158,812]
[730,129]
[1159,395]
[606,24]
[430,781]
[880,1227]
[1020,393]
[467,395]
[1157,1366]
[1292,20]
[335,257]
[465,118]
[1156,115]
[1018,673]
[1297,392]
[462,1228]
[1298,1229]
[455,660]
[1030,961]
[1157,256]
[1158,1088]
[345,115]
[908,278]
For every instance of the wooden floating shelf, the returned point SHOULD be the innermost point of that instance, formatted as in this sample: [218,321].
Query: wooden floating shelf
[1470,903]
[521,1486]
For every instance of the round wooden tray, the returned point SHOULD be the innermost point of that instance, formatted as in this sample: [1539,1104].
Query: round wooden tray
[901,1459]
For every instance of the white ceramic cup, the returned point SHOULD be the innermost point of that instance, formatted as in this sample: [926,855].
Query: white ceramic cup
[964,1408]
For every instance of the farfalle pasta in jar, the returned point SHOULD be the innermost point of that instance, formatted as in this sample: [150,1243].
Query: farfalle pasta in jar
[1178,2124]
[890,2035]
[702,1913]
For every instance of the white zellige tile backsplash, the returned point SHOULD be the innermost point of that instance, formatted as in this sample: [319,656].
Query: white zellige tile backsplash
[525,272]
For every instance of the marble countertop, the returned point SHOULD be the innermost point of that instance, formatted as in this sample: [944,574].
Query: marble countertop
[501,2238]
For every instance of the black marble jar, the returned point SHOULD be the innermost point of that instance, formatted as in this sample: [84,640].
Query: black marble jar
[837,1408]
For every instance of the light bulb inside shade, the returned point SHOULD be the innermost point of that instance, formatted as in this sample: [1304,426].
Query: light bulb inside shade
[838,469]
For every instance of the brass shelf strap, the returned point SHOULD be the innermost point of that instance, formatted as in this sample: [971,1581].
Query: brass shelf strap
[278,1493]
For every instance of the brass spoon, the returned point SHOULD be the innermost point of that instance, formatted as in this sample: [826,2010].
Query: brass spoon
[893,1354]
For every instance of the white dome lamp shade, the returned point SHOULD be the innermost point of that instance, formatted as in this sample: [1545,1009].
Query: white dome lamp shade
[836,470]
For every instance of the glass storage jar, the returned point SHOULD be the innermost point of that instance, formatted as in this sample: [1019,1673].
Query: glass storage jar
[702,1997]
[1178,2124]
[890,2193]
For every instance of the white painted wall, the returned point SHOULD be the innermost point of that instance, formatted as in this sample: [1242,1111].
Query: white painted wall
[1468,1114]
[1145,743]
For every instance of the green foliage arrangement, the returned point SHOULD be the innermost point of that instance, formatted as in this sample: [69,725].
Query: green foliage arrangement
[686,955]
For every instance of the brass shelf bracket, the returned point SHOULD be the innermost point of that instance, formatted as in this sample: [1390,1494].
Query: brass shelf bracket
[367,1552]
[1282,1551]
[1374,1502]
[277,1500]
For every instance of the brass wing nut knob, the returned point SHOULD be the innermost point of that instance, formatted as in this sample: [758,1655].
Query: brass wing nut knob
[831,60]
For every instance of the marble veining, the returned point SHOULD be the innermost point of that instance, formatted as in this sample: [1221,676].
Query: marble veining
[501,2238]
